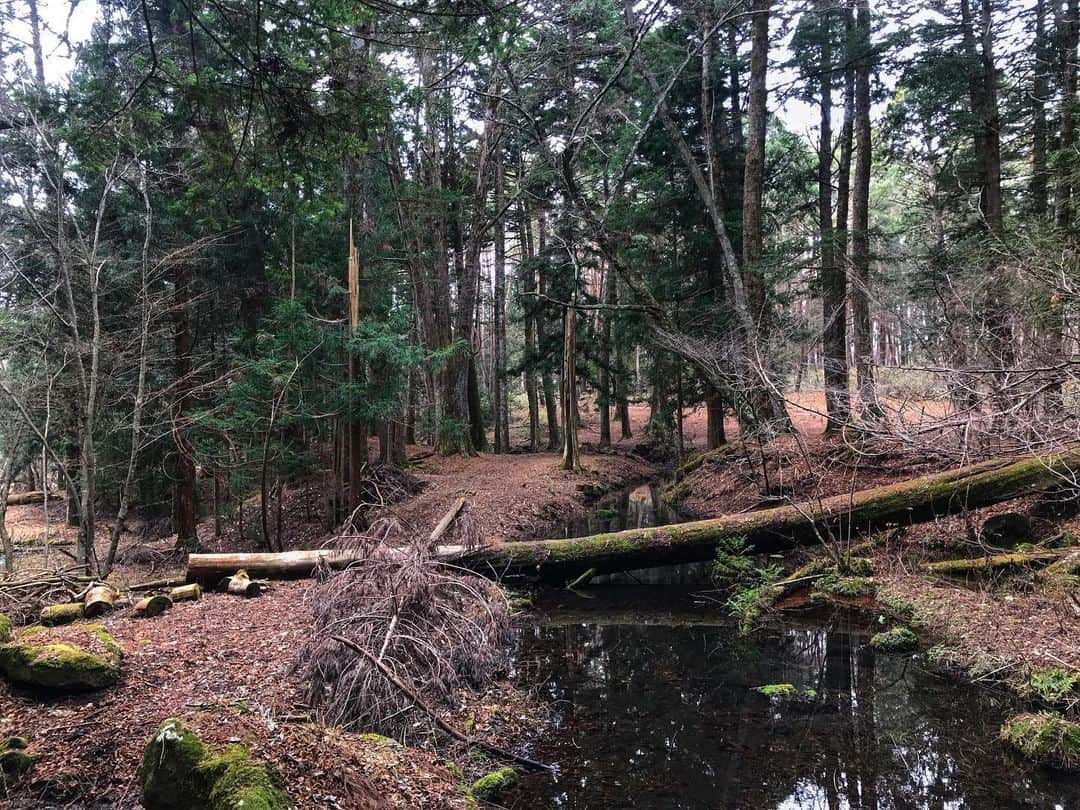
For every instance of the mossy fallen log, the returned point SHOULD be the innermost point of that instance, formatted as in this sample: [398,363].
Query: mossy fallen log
[768,530]
[978,565]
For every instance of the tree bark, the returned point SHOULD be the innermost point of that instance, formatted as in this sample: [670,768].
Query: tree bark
[833,273]
[571,455]
[501,406]
[869,406]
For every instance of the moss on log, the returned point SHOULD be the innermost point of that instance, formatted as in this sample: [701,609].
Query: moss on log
[979,565]
[769,530]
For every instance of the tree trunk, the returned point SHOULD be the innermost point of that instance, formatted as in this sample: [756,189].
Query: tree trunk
[603,398]
[1069,35]
[571,458]
[185,510]
[1040,94]
[869,406]
[530,303]
[500,406]
[833,274]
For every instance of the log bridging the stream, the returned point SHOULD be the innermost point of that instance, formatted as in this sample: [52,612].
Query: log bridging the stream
[913,501]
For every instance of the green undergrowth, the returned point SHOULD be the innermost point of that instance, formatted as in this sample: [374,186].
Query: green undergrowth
[898,639]
[1054,685]
[751,588]
[1044,737]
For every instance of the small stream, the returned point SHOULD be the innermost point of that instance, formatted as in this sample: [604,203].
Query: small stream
[653,702]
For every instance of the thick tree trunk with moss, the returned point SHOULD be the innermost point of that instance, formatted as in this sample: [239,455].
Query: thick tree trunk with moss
[914,501]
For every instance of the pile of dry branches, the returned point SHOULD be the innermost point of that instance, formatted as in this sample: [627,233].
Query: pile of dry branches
[23,596]
[398,622]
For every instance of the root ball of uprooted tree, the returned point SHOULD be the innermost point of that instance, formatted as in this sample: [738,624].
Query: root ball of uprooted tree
[418,622]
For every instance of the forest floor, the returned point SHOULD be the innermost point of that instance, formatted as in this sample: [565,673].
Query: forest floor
[225,664]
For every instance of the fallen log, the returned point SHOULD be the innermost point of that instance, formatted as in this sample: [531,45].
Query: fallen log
[23,498]
[991,562]
[770,530]
[913,501]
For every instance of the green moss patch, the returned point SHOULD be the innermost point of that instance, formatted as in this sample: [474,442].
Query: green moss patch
[777,690]
[850,587]
[178,772]
[898,639]
[7,629]
[490,787]
[1045,737]
[58,667]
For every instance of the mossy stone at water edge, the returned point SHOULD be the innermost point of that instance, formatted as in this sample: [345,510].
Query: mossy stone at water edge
[898,639]
[1044,737]
[490,787]
[63,667]
[178,772]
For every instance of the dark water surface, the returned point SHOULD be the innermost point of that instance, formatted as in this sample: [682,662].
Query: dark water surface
[652,693]
[654,706]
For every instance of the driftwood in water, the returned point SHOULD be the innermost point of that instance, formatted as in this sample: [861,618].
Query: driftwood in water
[912,501]
[906,502]
[977,565]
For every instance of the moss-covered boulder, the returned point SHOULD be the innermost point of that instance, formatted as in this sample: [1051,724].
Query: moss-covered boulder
[492,786]
[7,629]
[178,772]
[1045,737]
[55,615]
[62,667]
[898,639]
[14,758]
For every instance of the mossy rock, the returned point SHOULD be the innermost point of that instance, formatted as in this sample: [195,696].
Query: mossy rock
[179,772]
[1045,737]
[7,629]
[55,615]
[169,776]
[61,667]
[492,786]
[1007,530]
[14,758]
[898,639]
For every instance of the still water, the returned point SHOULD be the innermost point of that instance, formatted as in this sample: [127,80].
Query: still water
[652,692]
[654,707]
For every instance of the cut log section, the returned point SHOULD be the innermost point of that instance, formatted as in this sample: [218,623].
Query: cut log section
[151,606]
[186,593]
[769,530]
[99,599]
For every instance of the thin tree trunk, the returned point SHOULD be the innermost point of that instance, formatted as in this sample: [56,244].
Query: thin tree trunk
[501,405]
[571,459]
[869,406]
[833,274]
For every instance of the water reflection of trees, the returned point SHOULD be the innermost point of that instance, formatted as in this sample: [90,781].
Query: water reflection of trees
[668,716]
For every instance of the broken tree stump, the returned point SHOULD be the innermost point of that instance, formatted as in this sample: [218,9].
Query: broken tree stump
[240,584]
